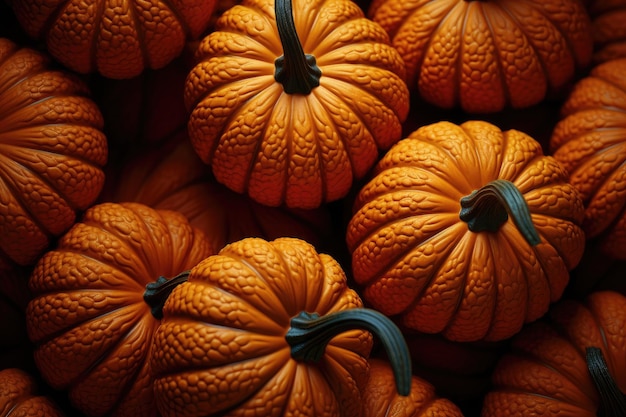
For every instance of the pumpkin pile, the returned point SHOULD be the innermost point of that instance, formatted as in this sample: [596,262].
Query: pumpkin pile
[325,208]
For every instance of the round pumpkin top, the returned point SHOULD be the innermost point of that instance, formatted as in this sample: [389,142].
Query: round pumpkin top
[88,319]
[19,397]
[465,230]
[290,109]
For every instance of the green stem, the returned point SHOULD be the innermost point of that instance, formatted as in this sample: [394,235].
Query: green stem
[157,292]
[612,400]
[295,70]
[489,207]
[309,334]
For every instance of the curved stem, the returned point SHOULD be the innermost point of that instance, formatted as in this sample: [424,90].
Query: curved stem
[309,334]
[295,70]
[489,207]
[157,292]
[612,400]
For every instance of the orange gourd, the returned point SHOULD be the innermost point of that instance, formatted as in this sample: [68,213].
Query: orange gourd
[52,151]
[465,230]
[484,56]
[118,39]
[291,108]
[570,365]
[89,318]
[19,397]
[267,329]
[608,30]
[590,142]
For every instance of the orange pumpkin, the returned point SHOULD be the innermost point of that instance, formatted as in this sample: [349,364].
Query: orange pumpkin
[608,30]
[118,39]
[573,364]
[484,56]
[289,108]
[465,230]
[590,142]
[52,150]
[268,329]
[19,397]
[89,318]
[380,397]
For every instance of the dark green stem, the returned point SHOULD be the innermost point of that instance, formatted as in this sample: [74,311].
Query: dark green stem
[489,207]
[309,334]
[295,70]
[612,400]
[157,292]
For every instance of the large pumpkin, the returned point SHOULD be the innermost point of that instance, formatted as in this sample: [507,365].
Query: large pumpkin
[590,143]
[268,329]
[19,396]
[118,39]
[89,319]
[572,365]
[52,150]
[483,56]
[292,107]
[465,230]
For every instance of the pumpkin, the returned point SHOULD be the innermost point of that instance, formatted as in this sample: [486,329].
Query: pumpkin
[465,230]
[52,151]
[291,109]
[572,365]
[380,397]
[590,142]
[607,28]
[88,318]
[19,397]
[485,56]
[268,328]
[118,39]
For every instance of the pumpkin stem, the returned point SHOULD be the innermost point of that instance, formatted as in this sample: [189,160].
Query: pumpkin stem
[309,334]
[489,207]
[295,70]
[612,400]
[157,292]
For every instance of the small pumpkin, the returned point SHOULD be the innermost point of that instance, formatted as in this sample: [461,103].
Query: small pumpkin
[291,109]
[607,28]
[484,56]
[52,151]
[590,142]
[380,397]
[573,364]
[465,230]
[268,328]
[118,39]
[89,321]
[19,396]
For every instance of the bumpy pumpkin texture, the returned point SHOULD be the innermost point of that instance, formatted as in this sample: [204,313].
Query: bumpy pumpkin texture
[118,39]
[294,117]
[465,230]
[88,317]
[484,56]
[19,397]
[52,150]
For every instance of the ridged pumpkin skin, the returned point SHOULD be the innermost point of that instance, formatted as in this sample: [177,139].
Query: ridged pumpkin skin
[546,373]
[52,150]
[117,38]
[590,143]
[417,260]
[19,398]
[88,319]
[484,56]
[381,399]
[298,149]
[221,347]
[608,29]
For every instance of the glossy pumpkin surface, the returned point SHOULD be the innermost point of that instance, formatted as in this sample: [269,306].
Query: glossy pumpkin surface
[52,150]
[19,397]
[590,143]
[88,318]
[546,372]
[484,56]
[418,258]
[286,144]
